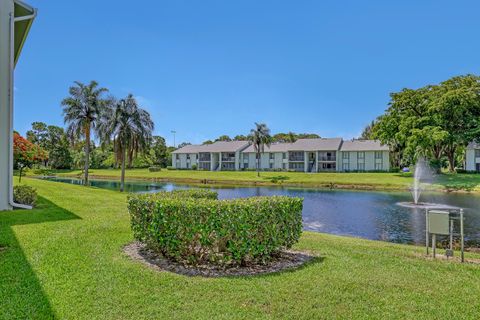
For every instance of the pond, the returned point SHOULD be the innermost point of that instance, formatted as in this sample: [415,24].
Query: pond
[367,214]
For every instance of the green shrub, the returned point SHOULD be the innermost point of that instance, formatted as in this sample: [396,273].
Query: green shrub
[194,167]
[154,169]
[43,172]
[24,194]
[170,168]
[193,227]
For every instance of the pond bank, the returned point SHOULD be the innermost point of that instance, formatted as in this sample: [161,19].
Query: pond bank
[276,183]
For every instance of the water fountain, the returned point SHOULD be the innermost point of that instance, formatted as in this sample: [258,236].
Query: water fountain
[422,178]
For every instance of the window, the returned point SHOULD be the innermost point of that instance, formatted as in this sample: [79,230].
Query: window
[361,155]
[477,153]
[245,165]
[378,155]
[272,156]
[378,166]
[361,167]
[345,167]
[271,165]
[284,166]
[284,155]
[346,155]
[176,156]
[188,156]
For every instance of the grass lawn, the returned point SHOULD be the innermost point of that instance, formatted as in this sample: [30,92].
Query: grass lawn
[384,181]
[64,260]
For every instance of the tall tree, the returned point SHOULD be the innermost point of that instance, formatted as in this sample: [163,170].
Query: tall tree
[434,121]
[159,151]
[260,137]
[129,126]
[81,112]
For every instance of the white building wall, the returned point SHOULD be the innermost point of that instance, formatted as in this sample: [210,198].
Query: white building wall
[183,162]
[369,161]
[470,160]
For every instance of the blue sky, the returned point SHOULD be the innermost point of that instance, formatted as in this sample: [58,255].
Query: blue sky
[206,68]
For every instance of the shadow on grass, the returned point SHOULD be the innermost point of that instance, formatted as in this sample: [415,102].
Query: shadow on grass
[21,293]
[460,181]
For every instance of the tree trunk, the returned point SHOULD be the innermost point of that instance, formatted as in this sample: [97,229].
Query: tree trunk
[122,179]
[20,177]
[130,159]
[87,153]
[451,158]
[258,164]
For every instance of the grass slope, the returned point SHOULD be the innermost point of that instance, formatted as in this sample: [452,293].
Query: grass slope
[384,180]
[367,180]
[64,260]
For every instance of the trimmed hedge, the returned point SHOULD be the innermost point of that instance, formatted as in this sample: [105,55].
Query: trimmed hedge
[24,194]
[154,169]
[193,227]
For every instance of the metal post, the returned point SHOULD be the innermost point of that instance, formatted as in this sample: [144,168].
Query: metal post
[434,244]
[426,231]
[461,235]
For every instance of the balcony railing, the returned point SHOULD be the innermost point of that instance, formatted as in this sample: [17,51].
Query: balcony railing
[204,157]
[327,158]
[228,159]
[296,158]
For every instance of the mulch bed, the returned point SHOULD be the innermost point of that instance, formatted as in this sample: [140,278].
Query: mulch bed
[287,260]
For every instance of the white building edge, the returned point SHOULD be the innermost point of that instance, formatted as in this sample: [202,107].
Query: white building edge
[15,20]
[304,155]
[472,157]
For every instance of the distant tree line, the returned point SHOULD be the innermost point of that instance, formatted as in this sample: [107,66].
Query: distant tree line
[436,122]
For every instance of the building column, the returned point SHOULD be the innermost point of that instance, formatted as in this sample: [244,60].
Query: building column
[305,161]
[220,161]
[6,9]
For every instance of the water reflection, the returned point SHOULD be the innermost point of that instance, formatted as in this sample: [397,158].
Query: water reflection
[366,214]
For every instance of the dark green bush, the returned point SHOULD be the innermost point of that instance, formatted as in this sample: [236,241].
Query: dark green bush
[24,194]
[154,169]
[194,167]
[170,168]
[193,227]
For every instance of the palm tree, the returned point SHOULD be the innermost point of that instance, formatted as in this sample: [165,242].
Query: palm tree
[260,137]
[81,111]
[129,126]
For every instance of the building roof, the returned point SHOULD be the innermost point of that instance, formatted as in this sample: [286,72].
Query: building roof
[191,148]
[274,147]
[363,145]
[319,144]
[473,145]
[219,146]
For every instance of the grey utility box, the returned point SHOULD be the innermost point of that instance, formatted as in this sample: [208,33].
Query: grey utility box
[438,222]
[441,222]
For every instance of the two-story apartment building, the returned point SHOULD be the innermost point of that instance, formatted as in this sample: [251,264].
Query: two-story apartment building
[221,155]
[304,155]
